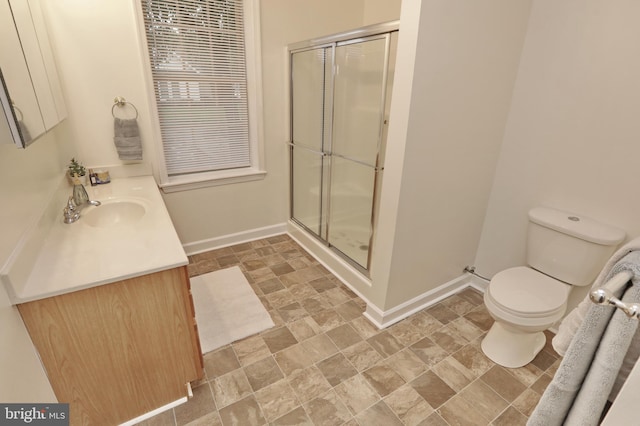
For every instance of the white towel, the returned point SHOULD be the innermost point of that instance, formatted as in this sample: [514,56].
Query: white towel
[126,137]
[579,389]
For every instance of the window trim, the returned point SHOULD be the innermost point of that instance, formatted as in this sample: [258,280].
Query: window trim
[253,54]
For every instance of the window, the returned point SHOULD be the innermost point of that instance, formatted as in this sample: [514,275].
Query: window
[204,68]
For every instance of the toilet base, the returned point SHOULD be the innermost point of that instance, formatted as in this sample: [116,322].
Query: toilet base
[511,348]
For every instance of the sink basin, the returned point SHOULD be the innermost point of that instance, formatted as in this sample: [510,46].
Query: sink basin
[114,213]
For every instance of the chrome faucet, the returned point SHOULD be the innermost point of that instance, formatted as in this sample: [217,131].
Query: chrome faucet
[77,202]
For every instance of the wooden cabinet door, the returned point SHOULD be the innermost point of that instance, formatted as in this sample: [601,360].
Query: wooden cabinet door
[120,350]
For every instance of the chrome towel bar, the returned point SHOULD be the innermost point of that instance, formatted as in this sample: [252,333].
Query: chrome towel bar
[605,295]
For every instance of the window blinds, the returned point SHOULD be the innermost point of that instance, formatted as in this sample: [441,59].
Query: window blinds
[197,55]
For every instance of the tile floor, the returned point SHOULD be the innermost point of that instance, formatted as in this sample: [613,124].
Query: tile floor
[325,364]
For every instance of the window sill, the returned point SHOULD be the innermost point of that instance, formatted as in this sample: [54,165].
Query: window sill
[204,180]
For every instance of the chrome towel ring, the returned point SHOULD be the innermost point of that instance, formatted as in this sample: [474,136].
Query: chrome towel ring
[119,101]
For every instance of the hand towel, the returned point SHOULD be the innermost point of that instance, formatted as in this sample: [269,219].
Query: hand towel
[579,389]
[572,321]
[126,137]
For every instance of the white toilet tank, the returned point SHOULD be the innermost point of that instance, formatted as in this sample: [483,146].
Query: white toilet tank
[568,247]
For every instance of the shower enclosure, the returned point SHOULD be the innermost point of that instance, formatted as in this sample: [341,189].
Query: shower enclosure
[340,96]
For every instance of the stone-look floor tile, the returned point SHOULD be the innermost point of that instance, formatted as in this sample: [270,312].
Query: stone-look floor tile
[319,347]
[336,369]
[228,261]
[406,333]
[259,275]
[299,262]
[276,239]
[425,322]
[264,251]
[364,327]
[263,373]
[408,405]
[506,385]
[230,388]
[302,291]
[458,411]
[297,417]
[344,336]
[484,399]
[465,329]
[304,328]
[315,304]
[323,284]
[220,361]
[454,374]
[336,296]
[253,264]
[526,402]
[383,379]
[385,344]
[327,319]
[378,415]
[276,318]
[510,417]
[245,412]
[362,356]
[472,295]
[211,419]
[327,410]
[250,350]
[449,339]
[202,403]
[293,359]
[301,275]
[270,286]
[407,364]
[349,310]
[458,304]
[276,400]
[356,394]
[473,358]
[165,418]
[554,367]
[292,312]
[279,339]
[481,318]
[273,259]
[527,375]
[434,420]
[281,269]
[433,389]
[308,383]
[242,247]
[544,360]
[541,384]
[429,352]
[281,298]
[442,313]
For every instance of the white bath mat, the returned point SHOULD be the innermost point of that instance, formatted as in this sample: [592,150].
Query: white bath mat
[227,309]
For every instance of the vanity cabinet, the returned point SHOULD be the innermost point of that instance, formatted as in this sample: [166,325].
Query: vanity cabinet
[117,351]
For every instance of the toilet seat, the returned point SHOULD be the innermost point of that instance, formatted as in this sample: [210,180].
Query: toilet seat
[526,293]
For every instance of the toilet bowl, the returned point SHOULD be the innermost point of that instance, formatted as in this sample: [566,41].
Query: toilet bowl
[563,250]
[524,303]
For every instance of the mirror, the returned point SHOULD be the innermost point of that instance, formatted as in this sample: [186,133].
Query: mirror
[30,93]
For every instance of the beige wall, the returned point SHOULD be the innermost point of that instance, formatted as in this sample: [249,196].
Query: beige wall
[571,141]
[450,103]
[27,177]
[376,11]
[99,61]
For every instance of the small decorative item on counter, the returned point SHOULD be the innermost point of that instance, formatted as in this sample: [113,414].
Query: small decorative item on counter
[77,172]
[102,176]
[93,177]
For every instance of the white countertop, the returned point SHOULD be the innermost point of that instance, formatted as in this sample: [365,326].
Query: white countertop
[78,256]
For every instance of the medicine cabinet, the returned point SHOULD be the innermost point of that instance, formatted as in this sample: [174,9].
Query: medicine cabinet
[30,92]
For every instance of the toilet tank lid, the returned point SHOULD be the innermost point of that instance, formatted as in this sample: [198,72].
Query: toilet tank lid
[577,226]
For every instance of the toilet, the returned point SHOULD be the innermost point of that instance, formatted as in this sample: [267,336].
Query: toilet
[563,250]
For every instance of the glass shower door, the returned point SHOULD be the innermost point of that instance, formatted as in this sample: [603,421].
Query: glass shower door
[310,71]
[358,111]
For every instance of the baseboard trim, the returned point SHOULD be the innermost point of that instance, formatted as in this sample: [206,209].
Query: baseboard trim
[384,319]
[233,239]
